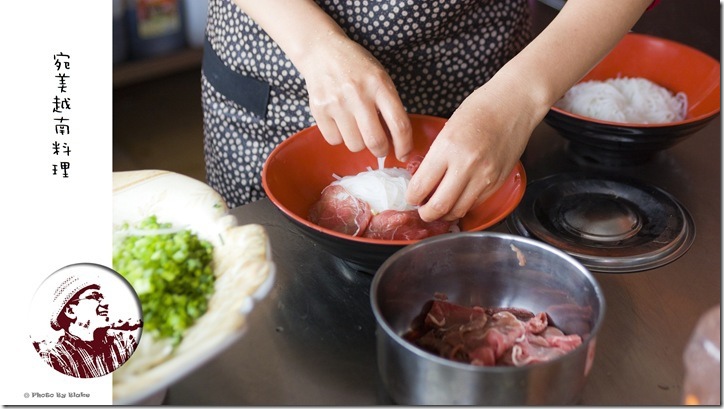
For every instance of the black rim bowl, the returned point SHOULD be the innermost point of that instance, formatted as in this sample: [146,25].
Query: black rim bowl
[610,144]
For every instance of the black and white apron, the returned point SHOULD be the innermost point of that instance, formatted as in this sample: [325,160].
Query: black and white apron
[436,52]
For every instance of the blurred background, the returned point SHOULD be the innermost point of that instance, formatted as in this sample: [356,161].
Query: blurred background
[157,49]
[157,117]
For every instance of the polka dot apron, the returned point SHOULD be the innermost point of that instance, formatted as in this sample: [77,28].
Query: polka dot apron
[436,52]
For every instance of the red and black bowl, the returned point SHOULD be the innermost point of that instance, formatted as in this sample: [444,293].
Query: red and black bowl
[299,168]
[672,65]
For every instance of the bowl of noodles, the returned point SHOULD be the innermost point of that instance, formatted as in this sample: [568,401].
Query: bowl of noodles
[302,171]
[645,96]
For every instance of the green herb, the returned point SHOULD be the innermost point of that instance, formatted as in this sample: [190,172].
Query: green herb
[171,272]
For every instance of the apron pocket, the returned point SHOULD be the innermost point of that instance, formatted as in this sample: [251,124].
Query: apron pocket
[248,92]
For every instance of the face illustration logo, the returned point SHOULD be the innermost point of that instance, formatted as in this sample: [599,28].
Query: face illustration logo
[86,320]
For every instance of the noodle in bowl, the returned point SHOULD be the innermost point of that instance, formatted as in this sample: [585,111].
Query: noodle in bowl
[625,100]
[647,95]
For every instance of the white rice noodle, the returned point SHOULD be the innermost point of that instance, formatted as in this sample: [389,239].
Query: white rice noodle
[626,100]
[384,188]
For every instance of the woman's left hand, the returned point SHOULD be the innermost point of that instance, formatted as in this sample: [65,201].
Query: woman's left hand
[472,155]
[485,137]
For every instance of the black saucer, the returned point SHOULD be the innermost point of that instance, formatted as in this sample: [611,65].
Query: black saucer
[609,225]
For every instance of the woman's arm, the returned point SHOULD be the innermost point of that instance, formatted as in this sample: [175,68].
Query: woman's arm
[351,96]
[487,134]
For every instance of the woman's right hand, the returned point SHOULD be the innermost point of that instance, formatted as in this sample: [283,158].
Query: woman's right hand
[353,99]
[351,96]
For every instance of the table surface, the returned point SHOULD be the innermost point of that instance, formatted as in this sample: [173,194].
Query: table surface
[311,341]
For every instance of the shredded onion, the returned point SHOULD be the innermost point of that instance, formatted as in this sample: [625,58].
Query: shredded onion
[626,100]
[383,188]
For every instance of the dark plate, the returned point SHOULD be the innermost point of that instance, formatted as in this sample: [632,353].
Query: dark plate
[609,225]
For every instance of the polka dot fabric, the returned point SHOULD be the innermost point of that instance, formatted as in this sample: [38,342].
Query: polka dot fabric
[436,52]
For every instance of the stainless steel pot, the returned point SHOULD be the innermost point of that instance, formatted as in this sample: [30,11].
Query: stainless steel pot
[490,270]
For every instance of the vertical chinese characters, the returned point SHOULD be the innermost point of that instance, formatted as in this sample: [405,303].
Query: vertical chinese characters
[61,106]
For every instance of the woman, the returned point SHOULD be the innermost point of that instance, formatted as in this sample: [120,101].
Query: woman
[274,67]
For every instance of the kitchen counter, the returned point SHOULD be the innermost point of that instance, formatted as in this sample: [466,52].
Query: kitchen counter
[312,340]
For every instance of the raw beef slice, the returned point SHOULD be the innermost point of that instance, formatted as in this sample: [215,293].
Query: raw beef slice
[338,210]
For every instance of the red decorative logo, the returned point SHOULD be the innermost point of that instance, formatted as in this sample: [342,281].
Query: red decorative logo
[87,320]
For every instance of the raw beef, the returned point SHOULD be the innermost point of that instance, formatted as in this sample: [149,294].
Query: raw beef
[406,225]
[488,337]
[340,211]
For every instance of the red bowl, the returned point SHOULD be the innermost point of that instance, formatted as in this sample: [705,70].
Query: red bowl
[299,168]
[670,64]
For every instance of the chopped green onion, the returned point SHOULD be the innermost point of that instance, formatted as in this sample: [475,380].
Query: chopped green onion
[171,272]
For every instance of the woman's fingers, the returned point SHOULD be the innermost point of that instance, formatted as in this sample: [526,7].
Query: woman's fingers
[328,127]
[370,126]
[457,173]
[371,118]
[396,120]
[337,121]
[426,178]
[353,100]
[455,193]
[360,127]
[351,133]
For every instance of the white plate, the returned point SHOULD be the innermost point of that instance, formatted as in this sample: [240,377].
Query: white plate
[242,265]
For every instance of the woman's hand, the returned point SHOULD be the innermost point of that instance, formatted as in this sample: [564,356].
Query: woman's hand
[351,96]
[353,99]
[482,141]
[475,151]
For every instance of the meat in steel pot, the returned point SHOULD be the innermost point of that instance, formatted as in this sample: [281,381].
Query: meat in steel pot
[491,270]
